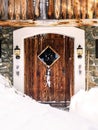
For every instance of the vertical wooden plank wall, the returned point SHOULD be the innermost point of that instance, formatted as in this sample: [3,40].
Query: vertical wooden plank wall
[70,7]
[37,11]
[90,8]
[17,9]
[30,9]
[77,9]
[48,9]
[57,8]
[11,9]
[64,9]
[3,9]
[23,8]
[96,8]
[83,9]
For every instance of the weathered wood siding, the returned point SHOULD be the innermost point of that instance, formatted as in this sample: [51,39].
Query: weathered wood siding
[48,9]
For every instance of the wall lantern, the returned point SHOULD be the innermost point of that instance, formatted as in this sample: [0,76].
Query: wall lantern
[79,51]
[17,52]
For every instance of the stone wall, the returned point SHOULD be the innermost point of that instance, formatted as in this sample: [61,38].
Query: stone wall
[6,65]
[6,41]
[91,65]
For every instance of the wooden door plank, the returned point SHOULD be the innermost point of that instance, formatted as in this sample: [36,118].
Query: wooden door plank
[71,66]
[35,68]
[26,62]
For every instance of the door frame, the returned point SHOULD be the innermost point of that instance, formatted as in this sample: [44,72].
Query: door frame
[79,39]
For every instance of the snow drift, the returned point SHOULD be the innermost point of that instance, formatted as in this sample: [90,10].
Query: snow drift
[85,103]
[20,112]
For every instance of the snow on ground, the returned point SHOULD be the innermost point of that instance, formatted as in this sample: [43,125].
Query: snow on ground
[85,103]
[20,112]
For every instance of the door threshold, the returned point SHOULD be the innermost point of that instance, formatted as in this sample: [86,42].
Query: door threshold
[56,103]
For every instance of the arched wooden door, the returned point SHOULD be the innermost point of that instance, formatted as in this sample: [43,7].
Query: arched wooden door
[58,70]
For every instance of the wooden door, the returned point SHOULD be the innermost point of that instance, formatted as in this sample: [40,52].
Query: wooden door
[60,71]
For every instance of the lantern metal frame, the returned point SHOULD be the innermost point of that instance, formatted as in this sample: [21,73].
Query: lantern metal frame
[17,52]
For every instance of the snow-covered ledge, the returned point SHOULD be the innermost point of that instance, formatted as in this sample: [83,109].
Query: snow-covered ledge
[76,33]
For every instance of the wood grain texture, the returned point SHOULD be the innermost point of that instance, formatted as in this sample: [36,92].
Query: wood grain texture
[30,9]
[96,9]
[90,8]
[51,9]
[17,9]
[60,23]
[37,8]
[70,9]
[3,9]
[23,6]
[77,8]
[11,9]
[61,87]
[64,7]
[57,8]
[83,9]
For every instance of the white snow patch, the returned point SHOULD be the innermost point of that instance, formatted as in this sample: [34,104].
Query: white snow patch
[20,112]
[85,103]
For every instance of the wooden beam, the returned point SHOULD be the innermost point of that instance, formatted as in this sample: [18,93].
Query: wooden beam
[43,23]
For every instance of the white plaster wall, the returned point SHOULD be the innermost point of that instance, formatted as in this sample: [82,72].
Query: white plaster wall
[76,33]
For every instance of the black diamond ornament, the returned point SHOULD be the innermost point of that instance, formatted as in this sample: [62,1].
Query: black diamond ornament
[48,56]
